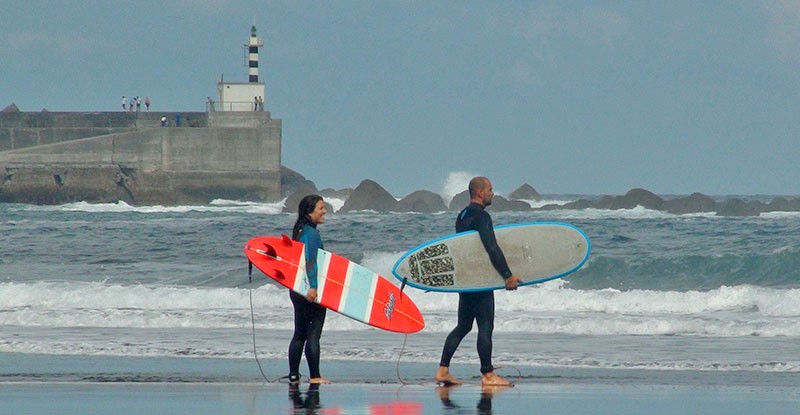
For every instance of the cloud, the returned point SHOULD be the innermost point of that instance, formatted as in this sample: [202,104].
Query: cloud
[547,23]
[783,34]
[544,27]
[594,25]
[67,45]
[524,73]
[207,7]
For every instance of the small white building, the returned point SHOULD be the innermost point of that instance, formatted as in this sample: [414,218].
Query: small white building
[242,96]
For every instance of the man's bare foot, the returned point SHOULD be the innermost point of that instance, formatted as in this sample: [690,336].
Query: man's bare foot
[491,379]
[444,377]
[319,380]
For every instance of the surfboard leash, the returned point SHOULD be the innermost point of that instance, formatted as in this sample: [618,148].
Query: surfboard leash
[399,355]
[519,373]
[253,324]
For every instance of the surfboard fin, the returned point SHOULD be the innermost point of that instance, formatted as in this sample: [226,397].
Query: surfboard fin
[270,251]
[403,286]
[287,240]
[279,275]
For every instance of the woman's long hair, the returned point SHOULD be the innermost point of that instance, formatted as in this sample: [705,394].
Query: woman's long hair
[305,208]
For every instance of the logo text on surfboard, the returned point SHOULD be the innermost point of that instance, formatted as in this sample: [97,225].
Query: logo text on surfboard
[389,309]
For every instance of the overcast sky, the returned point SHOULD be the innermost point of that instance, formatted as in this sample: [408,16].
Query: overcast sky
[570,97]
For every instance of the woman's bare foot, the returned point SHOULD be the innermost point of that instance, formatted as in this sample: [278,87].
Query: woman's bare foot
[491,379]
[319,380]
[443,376]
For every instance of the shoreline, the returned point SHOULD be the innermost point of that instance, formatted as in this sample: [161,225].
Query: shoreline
[22,368]
[357,398]
[87,385]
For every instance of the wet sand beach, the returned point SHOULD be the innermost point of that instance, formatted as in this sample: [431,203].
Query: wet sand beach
[85,385]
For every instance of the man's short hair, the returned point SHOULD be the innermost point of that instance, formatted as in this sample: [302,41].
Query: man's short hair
[476,185]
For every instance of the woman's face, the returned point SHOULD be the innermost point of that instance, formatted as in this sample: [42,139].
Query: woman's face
[318,215]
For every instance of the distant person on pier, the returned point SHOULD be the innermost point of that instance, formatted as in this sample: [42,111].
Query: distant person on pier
[147,103]
[124,103]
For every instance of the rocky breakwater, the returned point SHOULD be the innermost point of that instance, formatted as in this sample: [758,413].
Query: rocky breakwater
[694,203]
[371,196]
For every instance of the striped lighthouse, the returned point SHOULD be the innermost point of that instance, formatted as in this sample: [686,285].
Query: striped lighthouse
[243,96]
[252,54]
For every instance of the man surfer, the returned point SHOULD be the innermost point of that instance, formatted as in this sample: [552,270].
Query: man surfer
[478,306]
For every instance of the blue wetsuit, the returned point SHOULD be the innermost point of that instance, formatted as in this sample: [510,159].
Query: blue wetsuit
[309,236]
[477,306]
[308,317]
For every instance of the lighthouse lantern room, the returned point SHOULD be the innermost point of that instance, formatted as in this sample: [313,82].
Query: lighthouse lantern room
[244,96]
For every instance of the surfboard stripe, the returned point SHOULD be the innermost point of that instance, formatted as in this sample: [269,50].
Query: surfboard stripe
[300,283]
[360,280]
[334,280]
[345,288]
[323,261]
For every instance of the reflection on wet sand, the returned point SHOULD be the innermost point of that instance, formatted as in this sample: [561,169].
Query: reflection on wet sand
[483,407]
[309,403]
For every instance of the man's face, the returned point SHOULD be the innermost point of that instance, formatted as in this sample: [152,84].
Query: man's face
[487,194]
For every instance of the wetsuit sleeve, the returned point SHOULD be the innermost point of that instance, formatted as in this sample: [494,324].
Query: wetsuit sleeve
[312,242]
[486,231]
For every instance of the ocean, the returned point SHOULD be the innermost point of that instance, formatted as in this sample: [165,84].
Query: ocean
[662,296]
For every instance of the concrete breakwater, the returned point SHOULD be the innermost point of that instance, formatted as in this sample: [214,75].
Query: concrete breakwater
[61,157]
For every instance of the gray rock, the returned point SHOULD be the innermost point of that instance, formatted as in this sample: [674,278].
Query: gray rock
[694,203]
[369,195]
[576,205]
[460,201]
[525,192]
[11,108]
[739,207]
[422,201]
[782,204]
[292,181]
[501,204]
[301,191]
[639,197]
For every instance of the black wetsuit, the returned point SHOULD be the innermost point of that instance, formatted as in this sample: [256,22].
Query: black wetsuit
[477,306]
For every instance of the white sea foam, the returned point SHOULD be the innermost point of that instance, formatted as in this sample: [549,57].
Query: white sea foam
[546,308]
[335,203]
[455,183]
[217,205]
[544,202]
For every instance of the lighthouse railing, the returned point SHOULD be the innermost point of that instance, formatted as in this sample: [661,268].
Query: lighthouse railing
[212,106]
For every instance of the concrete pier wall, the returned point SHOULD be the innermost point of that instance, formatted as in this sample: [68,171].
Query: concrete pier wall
[211,156]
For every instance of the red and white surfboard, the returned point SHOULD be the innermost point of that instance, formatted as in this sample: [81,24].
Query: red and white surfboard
[342,285]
